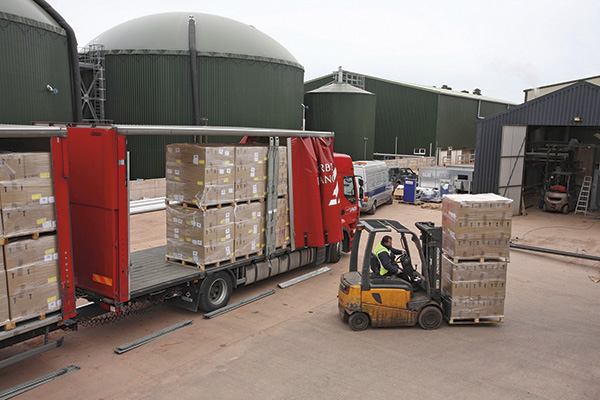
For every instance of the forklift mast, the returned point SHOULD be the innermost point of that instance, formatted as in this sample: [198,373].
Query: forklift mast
[431,239]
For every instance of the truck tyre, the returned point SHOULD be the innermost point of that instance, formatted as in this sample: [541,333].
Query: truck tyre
[216,291]
[334,252]
[391,200]
[358,321]
[430,317]
[565,209]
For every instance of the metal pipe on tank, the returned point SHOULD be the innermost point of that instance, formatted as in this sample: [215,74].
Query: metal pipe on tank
[194,71]
[73,59]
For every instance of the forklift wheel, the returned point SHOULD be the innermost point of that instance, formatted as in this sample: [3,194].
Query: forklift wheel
[359,321]
[430,318]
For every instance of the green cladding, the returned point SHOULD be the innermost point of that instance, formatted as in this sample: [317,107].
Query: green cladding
[410,117]
[33,55]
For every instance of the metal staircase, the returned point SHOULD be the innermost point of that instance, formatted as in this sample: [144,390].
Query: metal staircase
[584,196]
[93,83]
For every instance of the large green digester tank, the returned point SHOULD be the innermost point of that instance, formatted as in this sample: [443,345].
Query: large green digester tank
[349,112]
[34,65]
[244,78]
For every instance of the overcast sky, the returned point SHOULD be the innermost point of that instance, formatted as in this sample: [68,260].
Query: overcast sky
[500,47]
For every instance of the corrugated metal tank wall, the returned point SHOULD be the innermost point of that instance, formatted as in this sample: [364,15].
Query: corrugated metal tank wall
[350,115]
[155,89]
[403,112]
[32,55]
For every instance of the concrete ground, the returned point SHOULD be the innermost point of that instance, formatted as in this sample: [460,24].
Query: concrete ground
[293,344]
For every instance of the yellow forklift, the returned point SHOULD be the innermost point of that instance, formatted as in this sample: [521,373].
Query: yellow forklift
[367,298]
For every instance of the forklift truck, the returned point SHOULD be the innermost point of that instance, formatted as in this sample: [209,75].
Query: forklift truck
[367,298]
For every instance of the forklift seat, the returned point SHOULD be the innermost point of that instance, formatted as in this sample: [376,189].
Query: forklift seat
[390,282]
[385,281]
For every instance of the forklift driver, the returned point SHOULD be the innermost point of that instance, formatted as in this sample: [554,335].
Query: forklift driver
[387,263]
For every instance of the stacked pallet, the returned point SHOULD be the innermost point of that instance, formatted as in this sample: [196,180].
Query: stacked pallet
[475,246]
[215,195]
[29,284]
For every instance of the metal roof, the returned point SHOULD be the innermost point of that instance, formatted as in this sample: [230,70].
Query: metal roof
[216,36]
[337,87]
[431,89]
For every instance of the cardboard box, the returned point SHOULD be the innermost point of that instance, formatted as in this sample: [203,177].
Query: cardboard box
[192,193]
[199,218]
[28,252]
[202,175]
[457,247]
[26,192]
[30,276]
[474,270]
[201,255]
[200,154]
[476,229]
[459,290]
[491,248]
[4,310]
[477,207]
[252,211]
[28,219]
[250,154]
[16,166]
[34,301]
[248,244]
[282,237]
[458,272]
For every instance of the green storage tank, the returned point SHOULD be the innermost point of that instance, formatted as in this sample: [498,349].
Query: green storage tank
[34,65]
[349,112]
[245,78]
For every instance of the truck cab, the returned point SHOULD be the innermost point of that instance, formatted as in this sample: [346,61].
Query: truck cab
[349,202]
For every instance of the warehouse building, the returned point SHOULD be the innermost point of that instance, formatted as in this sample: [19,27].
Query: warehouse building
[239,76]
[409,119]
[37,50]
[533,93]
[520,150]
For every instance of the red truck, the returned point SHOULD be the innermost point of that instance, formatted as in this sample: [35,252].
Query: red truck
[93,160]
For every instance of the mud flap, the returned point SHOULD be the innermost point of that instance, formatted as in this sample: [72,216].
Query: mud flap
[190,297]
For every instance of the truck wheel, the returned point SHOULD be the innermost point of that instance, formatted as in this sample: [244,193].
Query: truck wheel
[334,252]
[565,209]
[215,291]
[430,318]
[359,321]
[544,208]
[391,200]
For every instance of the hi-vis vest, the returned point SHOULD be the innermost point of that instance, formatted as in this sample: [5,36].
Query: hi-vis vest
[378,250]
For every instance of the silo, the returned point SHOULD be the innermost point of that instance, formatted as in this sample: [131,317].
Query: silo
[243,78]
[35,76]
[349,112]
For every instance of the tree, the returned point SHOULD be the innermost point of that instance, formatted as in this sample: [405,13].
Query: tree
[464,91]
[477,91]
[446,87]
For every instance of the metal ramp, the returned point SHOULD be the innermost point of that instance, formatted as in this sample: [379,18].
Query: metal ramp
[584,196]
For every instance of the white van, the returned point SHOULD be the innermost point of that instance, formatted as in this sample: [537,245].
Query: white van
[377,189]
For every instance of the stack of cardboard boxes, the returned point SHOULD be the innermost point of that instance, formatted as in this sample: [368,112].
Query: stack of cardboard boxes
[29,284]
[235,176]
[201,175]
[475,245]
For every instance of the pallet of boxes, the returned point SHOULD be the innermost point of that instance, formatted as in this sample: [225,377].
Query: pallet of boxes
[29,274]
[475,247]
[216,202]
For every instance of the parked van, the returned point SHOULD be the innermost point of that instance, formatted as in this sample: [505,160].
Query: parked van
[377,189]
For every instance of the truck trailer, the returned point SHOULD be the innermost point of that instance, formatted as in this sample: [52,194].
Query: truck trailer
[91,168]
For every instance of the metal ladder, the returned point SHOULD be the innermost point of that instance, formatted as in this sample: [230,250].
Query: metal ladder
[584,196]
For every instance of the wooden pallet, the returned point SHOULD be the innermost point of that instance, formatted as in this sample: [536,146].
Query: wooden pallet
[33,236]
[472,259]
[247,256]
[180,261]
[250,201]
[416,203]
[10,325]
[484,320]
[204,207]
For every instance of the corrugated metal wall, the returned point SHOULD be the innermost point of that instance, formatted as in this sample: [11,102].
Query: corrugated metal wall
[555,109]
[457,120]
[155,89]
[350,115]
[404,112]
[32,57]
